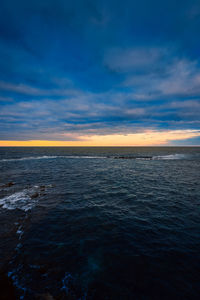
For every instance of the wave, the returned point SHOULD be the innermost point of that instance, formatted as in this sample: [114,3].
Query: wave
[132,157]
[14,275]
[24,200]
[28,158]
[48,157]
[170,157]
[65,282]
[156,157]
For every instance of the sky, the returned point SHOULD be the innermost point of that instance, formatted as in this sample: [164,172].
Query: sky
[99,73]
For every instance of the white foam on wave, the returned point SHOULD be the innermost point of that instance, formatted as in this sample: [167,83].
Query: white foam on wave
[65,282]
[49,157]
[20,232]
[157,157]
[169,157]
[19,200]
[29,158]
[14,275]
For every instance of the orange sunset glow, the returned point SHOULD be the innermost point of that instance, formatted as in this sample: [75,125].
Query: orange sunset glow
[148,138]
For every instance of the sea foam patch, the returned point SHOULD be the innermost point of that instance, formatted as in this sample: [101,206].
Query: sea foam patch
[50,157]
[170,157]
[28,158]
[24,200]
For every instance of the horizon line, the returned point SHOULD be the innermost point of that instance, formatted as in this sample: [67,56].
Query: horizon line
[123,146]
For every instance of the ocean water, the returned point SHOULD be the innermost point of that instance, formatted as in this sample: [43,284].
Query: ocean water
[100,223]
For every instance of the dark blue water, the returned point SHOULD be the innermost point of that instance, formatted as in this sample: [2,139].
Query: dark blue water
[100,223]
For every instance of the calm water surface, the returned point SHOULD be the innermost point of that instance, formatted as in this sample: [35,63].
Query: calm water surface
[100,223]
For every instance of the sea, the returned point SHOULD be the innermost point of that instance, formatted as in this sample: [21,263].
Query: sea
[91,223]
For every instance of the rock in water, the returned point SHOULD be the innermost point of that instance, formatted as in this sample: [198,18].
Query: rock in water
[9,184]
[35,195]
[44,297]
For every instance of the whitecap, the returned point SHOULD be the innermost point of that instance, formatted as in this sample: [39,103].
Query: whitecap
[50,157]
[28,158]
[19,200]
[14,275]
[169,157]
[20,232]
[65,282]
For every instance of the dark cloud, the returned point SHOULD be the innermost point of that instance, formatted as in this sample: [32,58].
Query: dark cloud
[75,68]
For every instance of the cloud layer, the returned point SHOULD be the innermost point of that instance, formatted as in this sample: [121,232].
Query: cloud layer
[86,71]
